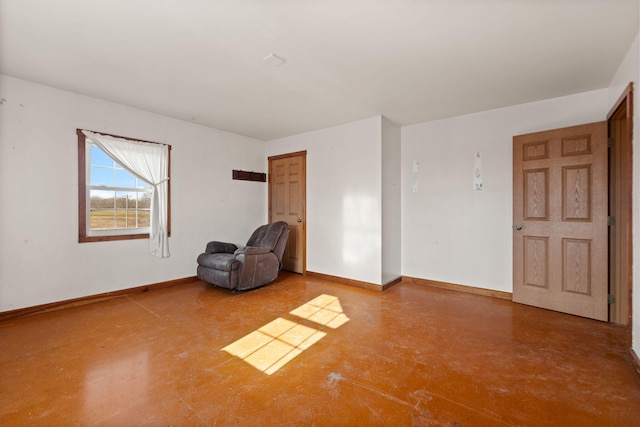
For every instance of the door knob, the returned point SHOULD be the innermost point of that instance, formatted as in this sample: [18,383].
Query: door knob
[299,220]
[518,227]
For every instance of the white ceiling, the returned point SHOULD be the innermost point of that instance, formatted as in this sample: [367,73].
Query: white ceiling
[408,60]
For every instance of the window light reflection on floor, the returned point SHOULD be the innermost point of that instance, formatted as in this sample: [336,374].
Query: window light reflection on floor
[324,310]
[275,344]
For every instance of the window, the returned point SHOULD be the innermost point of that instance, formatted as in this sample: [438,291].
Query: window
[114,204]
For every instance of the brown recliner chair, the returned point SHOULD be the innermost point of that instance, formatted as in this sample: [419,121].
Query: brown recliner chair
[258,263]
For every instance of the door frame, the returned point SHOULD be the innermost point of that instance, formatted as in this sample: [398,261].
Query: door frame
[302,154]
[620,125]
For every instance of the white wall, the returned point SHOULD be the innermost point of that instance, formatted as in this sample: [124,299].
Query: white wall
[391,202]
[41,260]
[344,197]
[629,71]
[450,232]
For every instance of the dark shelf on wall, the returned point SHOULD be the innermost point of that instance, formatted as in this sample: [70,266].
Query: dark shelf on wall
[249,176]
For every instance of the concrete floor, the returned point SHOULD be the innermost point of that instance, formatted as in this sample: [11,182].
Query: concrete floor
[309,352]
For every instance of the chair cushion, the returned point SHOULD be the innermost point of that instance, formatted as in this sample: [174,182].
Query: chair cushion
[224,262]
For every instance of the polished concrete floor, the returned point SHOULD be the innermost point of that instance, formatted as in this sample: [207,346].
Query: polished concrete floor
[307,352]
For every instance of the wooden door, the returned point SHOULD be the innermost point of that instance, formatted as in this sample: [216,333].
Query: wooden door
[560,194]
[287,199]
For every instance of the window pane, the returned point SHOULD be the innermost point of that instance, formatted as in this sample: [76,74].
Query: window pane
[124,179]
[101,199]
[143,219]
[102,176]
[144,200]
[121,218]
[131,199]
[101,219]
[142,184]
[122,200]
[131,219]
[98,157]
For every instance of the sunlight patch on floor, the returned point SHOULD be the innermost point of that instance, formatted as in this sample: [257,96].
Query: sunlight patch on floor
[324,310]
[275,344]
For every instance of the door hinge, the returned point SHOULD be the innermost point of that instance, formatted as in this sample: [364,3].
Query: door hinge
[611,299]
[610,142]
[611,221]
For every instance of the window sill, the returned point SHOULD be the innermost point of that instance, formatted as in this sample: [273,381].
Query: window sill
[87,239]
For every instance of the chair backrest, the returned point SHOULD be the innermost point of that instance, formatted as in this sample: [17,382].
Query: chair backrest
[268,236]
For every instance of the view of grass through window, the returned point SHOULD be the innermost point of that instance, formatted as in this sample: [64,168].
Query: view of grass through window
[117,198]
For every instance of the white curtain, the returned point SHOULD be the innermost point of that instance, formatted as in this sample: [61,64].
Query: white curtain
[150,162]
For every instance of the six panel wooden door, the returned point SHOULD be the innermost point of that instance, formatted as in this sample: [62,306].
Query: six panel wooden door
[287,189]
[560,231]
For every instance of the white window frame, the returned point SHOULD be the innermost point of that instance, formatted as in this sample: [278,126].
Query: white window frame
[110,231]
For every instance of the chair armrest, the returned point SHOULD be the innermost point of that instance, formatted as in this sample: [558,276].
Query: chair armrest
[220,247]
